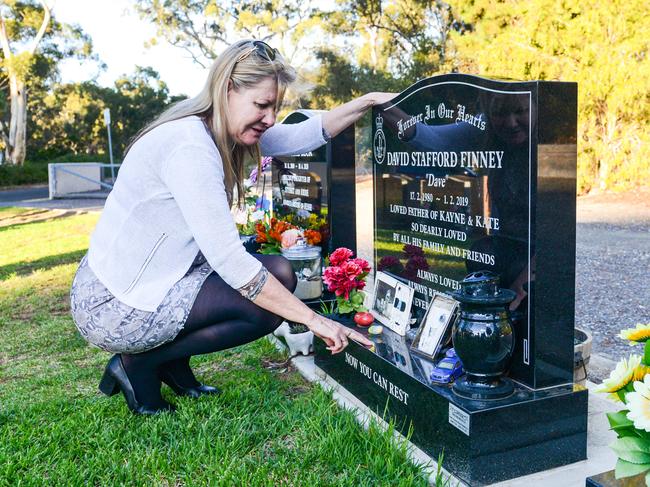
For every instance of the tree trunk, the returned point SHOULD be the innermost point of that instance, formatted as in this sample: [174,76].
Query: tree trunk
[15,151]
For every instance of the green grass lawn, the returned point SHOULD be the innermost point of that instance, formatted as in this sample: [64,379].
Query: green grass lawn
[269,427]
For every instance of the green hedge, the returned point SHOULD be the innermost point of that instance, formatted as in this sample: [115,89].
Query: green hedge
[28,173]
[35,172]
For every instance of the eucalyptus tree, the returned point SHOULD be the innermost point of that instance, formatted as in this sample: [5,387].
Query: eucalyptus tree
[68,120]
[203,27]
[32,43]
[386,45]
[604,46]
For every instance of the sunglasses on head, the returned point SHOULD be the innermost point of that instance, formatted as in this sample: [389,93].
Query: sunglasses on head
[262,49]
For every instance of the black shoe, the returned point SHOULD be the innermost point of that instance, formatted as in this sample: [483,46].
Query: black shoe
[195,391]
[115,379]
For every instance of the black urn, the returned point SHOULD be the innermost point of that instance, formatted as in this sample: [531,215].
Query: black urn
[483,337]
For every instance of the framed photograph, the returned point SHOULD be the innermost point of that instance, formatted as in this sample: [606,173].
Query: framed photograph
[435,329]
[391,303]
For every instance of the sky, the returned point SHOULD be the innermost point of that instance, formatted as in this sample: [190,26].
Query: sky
[118,37]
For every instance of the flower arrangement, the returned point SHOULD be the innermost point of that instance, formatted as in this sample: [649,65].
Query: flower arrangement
[276,235]
[265,164]
[346,276]
[269,235]
[256,208]
[629,383]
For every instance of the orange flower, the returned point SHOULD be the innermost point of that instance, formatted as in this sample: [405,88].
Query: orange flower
[278,228]
[260,229]
[313,237]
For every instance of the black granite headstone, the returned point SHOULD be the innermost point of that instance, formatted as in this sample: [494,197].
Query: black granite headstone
[321,183]
[474,174]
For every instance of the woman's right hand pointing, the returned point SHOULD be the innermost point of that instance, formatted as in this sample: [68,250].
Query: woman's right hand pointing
[335,335]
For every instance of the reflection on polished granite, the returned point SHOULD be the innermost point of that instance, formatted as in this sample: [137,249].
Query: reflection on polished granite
[396,350]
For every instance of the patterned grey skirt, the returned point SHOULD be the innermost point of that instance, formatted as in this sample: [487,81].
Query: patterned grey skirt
[111,325]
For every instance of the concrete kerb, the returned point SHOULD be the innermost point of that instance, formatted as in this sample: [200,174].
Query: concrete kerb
[600,457]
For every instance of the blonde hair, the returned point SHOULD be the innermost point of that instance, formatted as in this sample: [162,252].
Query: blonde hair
[211,105]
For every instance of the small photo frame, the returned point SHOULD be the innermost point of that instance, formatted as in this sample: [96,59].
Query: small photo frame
[391,303]
[436,325]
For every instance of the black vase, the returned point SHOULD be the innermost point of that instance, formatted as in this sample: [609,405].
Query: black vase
[483,337]
[250,243]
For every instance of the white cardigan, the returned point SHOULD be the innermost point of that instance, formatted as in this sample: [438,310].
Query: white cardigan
[169,202]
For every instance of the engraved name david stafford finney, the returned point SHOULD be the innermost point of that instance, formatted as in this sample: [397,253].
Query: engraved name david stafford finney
[377,378]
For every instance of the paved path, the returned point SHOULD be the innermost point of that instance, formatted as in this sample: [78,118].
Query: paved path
[38,197]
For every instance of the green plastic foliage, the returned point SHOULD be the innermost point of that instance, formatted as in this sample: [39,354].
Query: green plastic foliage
[354,303]
[601,45]
[633,450]
[628,469]
[620,424]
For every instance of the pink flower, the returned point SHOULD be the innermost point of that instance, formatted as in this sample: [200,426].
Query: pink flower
[333,276]
[345,274]
[340,255]
[351,269]
[289,238]
[363,264]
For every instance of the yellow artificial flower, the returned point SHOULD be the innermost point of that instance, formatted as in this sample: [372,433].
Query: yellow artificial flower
[639,334]
[622,375]
[638,403]
[640,372]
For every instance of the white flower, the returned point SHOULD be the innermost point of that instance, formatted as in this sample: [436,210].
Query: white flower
[638,403]
[257,215]
[241,216]
[624,373]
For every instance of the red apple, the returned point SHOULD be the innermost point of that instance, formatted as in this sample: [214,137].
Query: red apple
[363,318]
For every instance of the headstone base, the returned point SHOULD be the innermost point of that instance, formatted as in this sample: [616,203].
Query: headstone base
[608,479]
[482,442]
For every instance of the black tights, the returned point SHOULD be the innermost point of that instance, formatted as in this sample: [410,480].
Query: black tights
[220,318]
